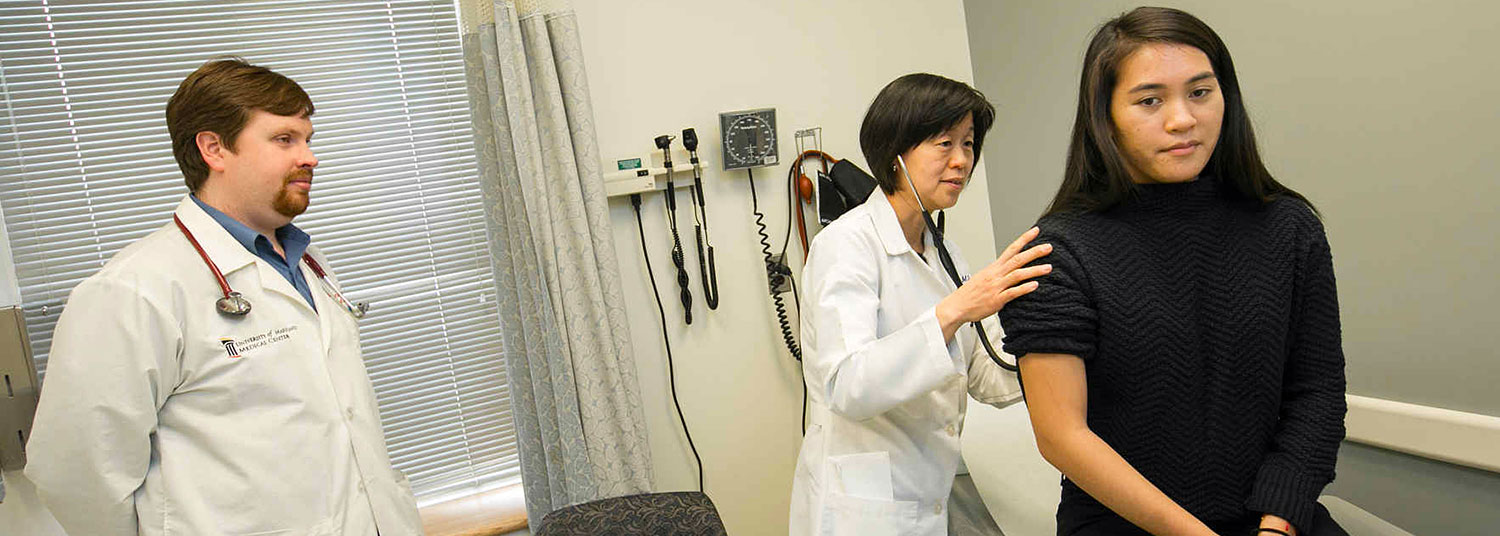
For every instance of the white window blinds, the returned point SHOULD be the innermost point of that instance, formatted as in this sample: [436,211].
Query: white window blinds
[87,168]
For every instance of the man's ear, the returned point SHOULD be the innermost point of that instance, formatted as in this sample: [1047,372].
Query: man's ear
[212,148]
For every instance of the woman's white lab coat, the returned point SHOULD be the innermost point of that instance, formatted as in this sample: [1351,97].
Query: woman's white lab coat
[160,416]
[886,392]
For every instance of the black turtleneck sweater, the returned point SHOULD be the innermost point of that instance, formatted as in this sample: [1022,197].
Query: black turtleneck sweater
[1209,329]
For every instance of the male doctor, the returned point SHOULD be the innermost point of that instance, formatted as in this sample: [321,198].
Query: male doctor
[165,413]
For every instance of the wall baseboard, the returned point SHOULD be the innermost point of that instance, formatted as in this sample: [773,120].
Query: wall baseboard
[1468,439]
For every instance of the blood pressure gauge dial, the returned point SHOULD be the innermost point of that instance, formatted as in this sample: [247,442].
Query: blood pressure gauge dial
[749,138]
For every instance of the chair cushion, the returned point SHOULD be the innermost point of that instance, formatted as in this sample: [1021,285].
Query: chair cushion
[685,513]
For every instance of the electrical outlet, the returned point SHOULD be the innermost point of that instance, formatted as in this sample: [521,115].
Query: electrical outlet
[779,282]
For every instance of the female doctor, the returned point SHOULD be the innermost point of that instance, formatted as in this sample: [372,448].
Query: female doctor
[889,357]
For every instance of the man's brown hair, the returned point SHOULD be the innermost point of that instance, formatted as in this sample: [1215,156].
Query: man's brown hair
[218,98]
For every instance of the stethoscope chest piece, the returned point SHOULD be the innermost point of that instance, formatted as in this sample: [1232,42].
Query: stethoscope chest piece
[233,304]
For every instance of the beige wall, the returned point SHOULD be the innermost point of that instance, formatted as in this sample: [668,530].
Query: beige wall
[818,64]
[1383,113]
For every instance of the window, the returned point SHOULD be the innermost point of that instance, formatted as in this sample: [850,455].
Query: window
[86,168]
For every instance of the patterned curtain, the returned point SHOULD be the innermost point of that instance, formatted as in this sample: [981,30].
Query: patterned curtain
[577,401]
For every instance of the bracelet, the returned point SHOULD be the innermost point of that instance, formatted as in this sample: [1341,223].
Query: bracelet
[1273,531]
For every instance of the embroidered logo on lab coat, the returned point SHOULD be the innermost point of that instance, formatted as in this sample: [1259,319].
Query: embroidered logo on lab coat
[237,348]
[229,348]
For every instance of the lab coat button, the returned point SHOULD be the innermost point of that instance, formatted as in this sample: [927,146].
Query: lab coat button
[361,488]
[937,508]
[349,413]
[952,431]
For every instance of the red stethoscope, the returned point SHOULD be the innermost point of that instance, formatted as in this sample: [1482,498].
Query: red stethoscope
[234,304]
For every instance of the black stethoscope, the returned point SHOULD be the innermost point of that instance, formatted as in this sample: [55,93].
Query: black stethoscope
[234,304]
[947,261]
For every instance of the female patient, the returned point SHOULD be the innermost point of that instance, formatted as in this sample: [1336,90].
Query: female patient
[1182,361]
[888,366]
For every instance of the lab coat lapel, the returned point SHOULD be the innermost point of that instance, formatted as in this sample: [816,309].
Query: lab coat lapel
[273,281]
[894,240]
[226,252]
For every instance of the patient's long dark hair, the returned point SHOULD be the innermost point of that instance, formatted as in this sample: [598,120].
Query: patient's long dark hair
[1096,178]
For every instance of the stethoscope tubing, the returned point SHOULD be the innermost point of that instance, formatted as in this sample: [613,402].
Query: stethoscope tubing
[946,260]
[235,304]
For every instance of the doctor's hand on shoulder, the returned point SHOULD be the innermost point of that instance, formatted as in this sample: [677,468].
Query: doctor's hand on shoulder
[989,289]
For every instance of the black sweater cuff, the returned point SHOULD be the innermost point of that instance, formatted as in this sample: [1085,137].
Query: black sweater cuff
[1287,493]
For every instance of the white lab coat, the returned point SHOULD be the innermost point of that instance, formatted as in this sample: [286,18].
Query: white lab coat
[148,425]
[886,392]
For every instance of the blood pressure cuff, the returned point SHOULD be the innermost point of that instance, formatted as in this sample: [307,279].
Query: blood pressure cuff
[844,187]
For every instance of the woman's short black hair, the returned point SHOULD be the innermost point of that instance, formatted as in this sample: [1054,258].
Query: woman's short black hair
[913,109]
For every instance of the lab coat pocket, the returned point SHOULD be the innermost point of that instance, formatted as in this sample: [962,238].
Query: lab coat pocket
[861,500]
[865,475]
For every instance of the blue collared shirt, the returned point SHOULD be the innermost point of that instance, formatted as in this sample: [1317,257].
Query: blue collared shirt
[293,241]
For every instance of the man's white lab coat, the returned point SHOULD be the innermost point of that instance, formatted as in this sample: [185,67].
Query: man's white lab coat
[161,416]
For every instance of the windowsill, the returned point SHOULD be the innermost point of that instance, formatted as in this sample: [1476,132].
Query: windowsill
[492,513]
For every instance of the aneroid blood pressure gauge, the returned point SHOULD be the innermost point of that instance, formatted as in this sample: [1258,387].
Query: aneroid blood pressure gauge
[749,138]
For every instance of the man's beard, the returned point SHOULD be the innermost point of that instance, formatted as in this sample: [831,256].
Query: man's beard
[288,203]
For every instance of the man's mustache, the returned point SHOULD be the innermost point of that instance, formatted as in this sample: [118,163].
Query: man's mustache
[299,175]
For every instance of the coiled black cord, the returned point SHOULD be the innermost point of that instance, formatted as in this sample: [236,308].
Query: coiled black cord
[786,240]
[635,201]
[682,276]
[708,271]
[710,275]
[775,272]
[804,381]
